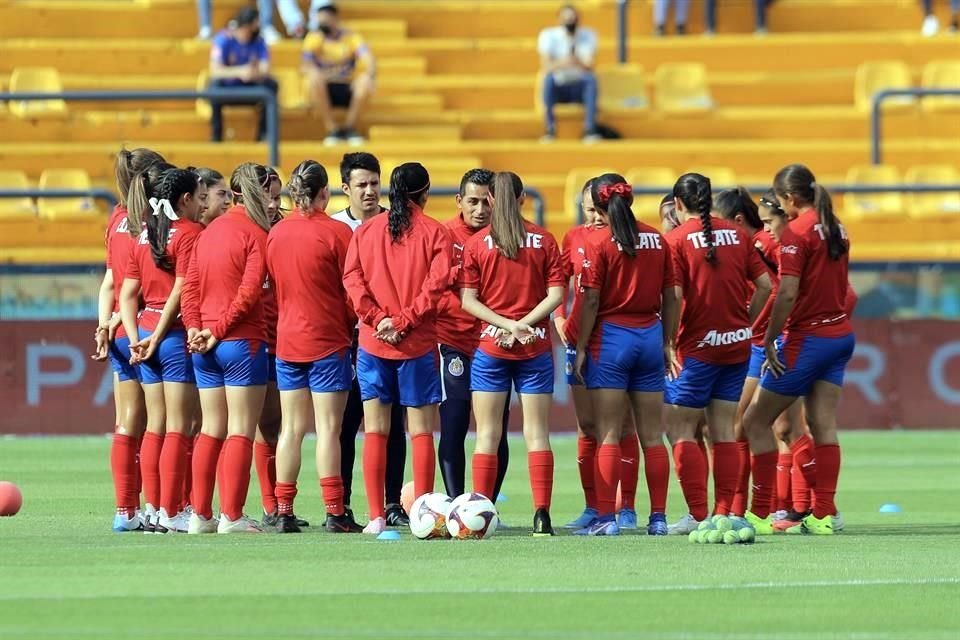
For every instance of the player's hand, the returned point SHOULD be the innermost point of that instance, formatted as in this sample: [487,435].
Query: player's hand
[112,327]
[560,323]
[504,339]
[578,365]
[102,341]
[203,342]
[250,73]
[772,363]
[144,349]
[671,362]
[384,329]
[522,333]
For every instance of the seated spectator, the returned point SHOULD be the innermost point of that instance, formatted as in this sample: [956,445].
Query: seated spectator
[239,58]
[681,9]
[931,25]
[567,54]
[340,71]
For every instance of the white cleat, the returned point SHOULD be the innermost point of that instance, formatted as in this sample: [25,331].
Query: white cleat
[684,526]
[179,523]
[838,523]
[243,524]
[375,527]
[199,524]
[123,524]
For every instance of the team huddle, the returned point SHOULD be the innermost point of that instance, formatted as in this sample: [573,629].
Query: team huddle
[235,328]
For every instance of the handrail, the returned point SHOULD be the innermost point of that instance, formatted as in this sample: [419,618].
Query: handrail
[622,10]
[256,92]
[876,112]
[95,193]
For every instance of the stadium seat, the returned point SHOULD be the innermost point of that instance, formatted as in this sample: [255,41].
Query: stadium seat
[622,87]
[682,87]
[647,207]
[941,74]
[720,177]
[203,106]
[876,76]
[574,183]
[293,88]
[62,209]
[42,79]
[873,206]
[15,208]
[933,205]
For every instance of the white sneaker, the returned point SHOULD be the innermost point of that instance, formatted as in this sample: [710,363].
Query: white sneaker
[591,138]
[179,523]
[684,526]
[199,524]
[780,515]
[149,518]
[243,524]
[123,524]
[838,523]
[930,26]
[205,33]
[271,36]
[188,510]
[375,527]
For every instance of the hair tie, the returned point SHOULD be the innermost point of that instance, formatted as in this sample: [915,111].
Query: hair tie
[813,184]
[420,190]
[621,189]
[163,206]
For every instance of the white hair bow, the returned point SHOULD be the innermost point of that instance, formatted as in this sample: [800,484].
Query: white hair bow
[163,206]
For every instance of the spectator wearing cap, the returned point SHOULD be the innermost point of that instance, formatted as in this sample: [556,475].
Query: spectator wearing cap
[340,70]
[239,58]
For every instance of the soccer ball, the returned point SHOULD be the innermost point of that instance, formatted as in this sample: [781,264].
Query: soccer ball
[472,516]
[428,516]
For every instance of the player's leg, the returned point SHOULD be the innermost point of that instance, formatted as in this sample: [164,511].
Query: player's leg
[152,447]
[349,427]
[419,390]
[503,453]
[396,466]
[130,423]
[296,421]
[586,445]
[610,407]
[265,448]
[533,380]
[379,388]
[742,493]
[209,443]
[454,418]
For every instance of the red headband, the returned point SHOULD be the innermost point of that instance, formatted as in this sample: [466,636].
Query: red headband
[621,189]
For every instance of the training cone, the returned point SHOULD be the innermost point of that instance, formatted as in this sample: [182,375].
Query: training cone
[10,499]
[890,508]
[389,535]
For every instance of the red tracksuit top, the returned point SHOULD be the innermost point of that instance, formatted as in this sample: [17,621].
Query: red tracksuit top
[119,244]
[573,252]
[455,327]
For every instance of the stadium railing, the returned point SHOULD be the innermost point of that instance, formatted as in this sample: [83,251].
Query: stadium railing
[876,113]
[254,93]
[623,7]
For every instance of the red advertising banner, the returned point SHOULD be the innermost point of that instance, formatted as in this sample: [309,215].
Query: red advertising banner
[904,374]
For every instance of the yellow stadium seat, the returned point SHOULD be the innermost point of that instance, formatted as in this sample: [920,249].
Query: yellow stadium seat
[647,208]
[65,208]
[43,79]
[293,88]
[873,206]
[15,208]
[572,189]
[622,87]
[203,106]
[682,87]
[933,205]
[941,74]
[872,77]
[720,177]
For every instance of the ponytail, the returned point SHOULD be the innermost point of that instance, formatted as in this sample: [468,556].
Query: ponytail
[693,190]
[138,197]
[506,222]
[798,181]
[309,179]
[731,202]
[611,193]
[166,197]
[836,244]
[247,183]
[409,184]
[128,164]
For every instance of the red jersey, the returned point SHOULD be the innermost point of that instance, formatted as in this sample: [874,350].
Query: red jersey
[821,307]
[631,289]
[400,280]
[305,258]
[767,245]
[119,245]
[155,283]
[715,323]
[512,288]
[572,253]
[225,281]
[455,327]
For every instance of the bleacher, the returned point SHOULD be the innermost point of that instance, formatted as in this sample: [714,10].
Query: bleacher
[457,85]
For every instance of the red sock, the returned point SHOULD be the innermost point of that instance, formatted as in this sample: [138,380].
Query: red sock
[764,470]
[804,473]
[286,493]
[237,458]
[374,471]
[484,473]
[331,488]
[265,458]
[828,473]
[150,467]
[424,464]
[656,467]
[138,478]
[173,463]
[586,464]
[188,473]
[629,470]
[726,469]
[540,464]
[123,465]
[702,445]
[608,478]
[783,500]
[739,505]
[206,454]
[690,459]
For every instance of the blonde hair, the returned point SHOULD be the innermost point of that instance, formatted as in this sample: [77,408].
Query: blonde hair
[128,164]
[247,183]
[506,223]
[138,197]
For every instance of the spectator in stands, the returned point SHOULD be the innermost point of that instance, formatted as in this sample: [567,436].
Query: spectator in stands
[567,54]
[239,58]
[289,12]
[760,13]
[681,9]
[931,25]
[340,70]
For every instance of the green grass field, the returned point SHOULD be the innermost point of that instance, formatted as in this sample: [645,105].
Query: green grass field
[63,574]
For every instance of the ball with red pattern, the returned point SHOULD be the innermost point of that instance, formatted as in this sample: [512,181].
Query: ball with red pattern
[472,516]
[428,516]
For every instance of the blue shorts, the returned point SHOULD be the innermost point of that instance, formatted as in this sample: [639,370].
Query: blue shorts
[454,374]
[569,362]
[327,375]
[119,353]
[499,374]
[410,383]
[170,362]
[271,367]
[810,359]
[757,356]
[699,383]
[629,359]
[232,363]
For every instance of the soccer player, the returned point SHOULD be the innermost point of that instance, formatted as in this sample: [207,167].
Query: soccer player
[226,331]
[812,306]
[398,267]
[668,214]
[360,178]
[218,195]
[715,263]
[511,280]
[112,343]
[306,253]
[458,333]
[628,282]
[157,269]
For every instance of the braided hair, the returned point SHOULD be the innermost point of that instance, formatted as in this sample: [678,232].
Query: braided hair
[309,179]
[409,184]
[173,184]
[693,190]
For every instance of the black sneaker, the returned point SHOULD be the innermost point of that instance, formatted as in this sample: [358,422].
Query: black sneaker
[150,523]
[397,517]
[347,515]
[302,523]
[287,524]
[342,524]
[541,524]
[269,520]
[681,29]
